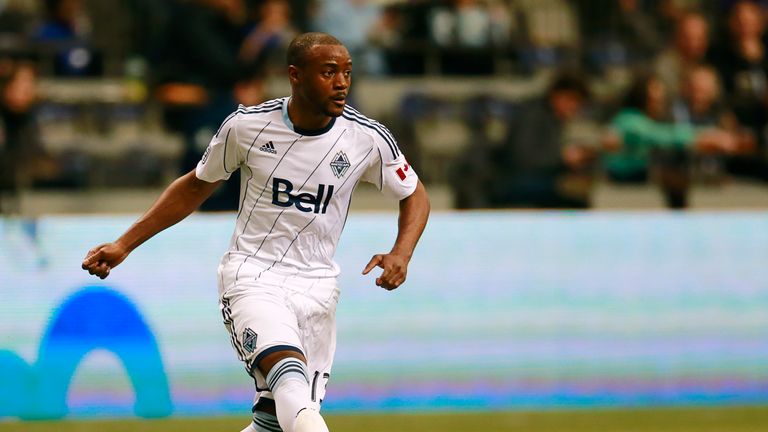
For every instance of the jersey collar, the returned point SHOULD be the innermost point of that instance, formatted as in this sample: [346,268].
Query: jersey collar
[300,131]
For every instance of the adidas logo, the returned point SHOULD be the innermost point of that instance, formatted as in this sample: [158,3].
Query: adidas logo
[268,148]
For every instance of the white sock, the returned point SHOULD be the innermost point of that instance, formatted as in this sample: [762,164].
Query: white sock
[289,383]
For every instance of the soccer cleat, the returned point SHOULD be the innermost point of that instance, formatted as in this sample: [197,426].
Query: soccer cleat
[309,420]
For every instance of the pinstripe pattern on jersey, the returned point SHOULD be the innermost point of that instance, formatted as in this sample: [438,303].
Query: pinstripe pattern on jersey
[321,160]
[237,274]
[357,165]
[370,126]
[247,155]
[224,158]
[381,170]
[256,202]
[286,249]
[263,107]
[245,226]
[352,114]
[346,215]
[349,204]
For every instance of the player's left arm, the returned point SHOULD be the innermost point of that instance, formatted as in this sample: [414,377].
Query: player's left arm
[414,212]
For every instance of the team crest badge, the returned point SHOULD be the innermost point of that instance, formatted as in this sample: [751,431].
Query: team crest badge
[249,340]
[340,164]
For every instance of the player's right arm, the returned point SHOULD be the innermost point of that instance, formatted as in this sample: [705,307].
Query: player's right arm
[177,202]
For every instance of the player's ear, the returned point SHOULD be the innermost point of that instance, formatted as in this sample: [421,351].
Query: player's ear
[293,74]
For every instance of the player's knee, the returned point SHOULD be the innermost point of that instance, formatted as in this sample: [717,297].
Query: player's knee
[269,361]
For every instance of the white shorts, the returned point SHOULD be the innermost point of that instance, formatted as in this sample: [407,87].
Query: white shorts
[266,312]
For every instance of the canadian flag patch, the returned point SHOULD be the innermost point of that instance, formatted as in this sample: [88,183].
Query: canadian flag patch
[402,171]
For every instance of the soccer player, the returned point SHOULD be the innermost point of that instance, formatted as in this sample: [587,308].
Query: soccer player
[301,158]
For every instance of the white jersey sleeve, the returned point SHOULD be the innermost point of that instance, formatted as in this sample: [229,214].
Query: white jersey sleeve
[223,155]
[389,171]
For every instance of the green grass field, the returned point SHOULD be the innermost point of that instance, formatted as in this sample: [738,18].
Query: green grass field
[698,419]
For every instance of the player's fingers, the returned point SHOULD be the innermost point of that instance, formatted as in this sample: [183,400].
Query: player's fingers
[104,274]
[392,272]
[395,284]
[102,270]
[375,261]
[93,257]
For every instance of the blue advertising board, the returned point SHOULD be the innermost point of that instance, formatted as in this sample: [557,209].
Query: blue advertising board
[500,311]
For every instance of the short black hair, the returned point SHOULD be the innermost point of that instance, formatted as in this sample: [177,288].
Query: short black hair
[301,44]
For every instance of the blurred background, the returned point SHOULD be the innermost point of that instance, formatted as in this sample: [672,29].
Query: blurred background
[498,104]
[635,108]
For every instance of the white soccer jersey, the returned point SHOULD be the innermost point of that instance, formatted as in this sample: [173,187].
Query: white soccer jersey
[296,185]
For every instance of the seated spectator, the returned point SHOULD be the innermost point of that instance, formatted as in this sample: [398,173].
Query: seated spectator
[700,105]
[24,161]
[353,22]
[549,33]
[743,65]
[529,168]
[466,31]
[268,40]
[688,49]
[649,142]
[699,102]
[637,28]
[206,65]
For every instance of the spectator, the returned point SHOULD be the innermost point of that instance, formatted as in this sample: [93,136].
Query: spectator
[203,60]
[649,143]
[549,33]
[268,40]
[743,65]
[638,30]
[467,31]
[689,48]
[528,169]
[469,23]
[16,18]
[23,159]
[66,32]
[403,34]
[353,22]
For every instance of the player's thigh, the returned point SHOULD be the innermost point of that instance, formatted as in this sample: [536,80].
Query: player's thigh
[260,323]
[317,324]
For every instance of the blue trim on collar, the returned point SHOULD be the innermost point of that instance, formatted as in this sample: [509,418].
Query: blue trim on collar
[286,119]
[300,131]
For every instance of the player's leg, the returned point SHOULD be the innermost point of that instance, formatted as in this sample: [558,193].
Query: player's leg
[264,415]
[317,328]
[287,378]
[265,334]
[296,400]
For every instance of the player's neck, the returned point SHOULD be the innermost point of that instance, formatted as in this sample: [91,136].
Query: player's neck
[304,118]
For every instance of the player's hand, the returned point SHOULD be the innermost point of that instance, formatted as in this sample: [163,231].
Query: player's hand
[395,269]
[103,258]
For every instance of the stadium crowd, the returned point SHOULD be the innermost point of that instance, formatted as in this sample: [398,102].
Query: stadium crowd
[677,90]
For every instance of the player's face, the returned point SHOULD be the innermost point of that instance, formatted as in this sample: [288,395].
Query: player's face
[326,78]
